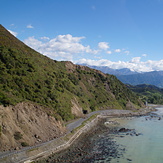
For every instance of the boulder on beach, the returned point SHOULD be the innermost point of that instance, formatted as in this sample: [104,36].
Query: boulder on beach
[124,130]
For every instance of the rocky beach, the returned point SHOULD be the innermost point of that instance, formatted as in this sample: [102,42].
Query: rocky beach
[99,143]
[80,149]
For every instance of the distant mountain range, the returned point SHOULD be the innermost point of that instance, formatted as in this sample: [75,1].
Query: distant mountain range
[107,70]
[153,78]
[127,76]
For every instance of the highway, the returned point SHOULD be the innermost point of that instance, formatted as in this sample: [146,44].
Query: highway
[69,127]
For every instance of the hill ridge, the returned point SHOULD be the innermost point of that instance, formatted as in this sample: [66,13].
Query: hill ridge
[39,75]
[62,90]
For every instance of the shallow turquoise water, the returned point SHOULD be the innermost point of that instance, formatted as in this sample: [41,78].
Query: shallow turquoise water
[141,143]
[145,148]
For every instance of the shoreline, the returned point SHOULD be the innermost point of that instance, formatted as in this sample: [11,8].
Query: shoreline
[104,115]
[81,146]
[55,146]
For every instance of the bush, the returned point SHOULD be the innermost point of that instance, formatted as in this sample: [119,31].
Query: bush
[18,135]
[24,144]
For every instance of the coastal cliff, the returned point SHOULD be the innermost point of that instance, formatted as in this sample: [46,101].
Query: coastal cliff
[38,94]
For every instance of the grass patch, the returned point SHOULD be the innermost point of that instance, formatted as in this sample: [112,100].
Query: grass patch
[33,149]
[24,144]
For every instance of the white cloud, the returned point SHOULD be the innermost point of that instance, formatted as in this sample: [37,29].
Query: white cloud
[44,38]
[144,55]
[109,52]
[34,43]
[136,60]
[13,33]
[63,47]
[30,26]
[117,50]
[103,45]
[134,65]
[67,47]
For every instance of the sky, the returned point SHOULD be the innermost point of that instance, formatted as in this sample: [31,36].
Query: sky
[113,33]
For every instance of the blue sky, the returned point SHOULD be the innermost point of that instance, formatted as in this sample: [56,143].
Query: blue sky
[114,33]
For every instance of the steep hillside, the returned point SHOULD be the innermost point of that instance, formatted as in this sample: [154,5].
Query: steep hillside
[149,93]
[28,75]
[59,91]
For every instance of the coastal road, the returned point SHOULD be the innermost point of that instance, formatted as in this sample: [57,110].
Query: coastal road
[79,121]
[70,127]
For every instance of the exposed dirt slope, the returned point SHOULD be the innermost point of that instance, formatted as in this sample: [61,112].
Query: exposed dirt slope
[26,124]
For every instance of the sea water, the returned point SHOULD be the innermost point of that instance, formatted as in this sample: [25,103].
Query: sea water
[144,145]
[141,142]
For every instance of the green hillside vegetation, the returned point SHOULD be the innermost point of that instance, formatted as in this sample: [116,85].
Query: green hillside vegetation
[149,93]
[26,75]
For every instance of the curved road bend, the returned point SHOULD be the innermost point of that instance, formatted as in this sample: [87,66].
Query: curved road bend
[70,127]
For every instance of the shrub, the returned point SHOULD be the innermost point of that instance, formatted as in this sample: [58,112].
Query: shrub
[18,135]
[24,144]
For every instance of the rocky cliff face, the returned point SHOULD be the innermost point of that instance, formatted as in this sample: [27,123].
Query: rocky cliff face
[27,124]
